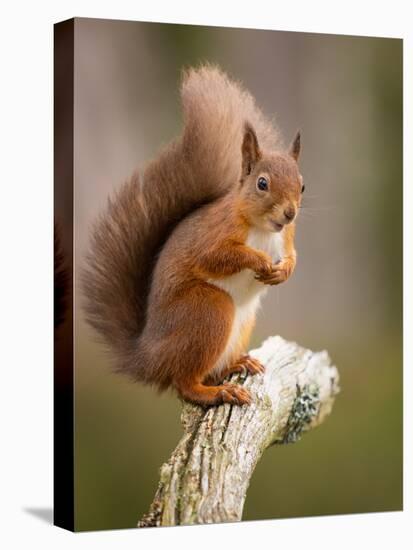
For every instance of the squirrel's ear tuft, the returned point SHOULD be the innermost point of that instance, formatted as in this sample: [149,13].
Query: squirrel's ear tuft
[295,146]
[251,153]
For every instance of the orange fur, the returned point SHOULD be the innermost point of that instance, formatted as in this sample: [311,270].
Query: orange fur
[245,337]
[163,247]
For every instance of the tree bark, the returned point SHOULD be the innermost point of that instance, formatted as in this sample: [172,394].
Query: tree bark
[207,476]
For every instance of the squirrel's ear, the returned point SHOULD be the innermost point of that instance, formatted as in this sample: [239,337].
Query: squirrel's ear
[251,153]
[295,146]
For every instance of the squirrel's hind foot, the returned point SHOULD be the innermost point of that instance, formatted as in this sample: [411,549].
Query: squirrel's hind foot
[204,395]
[247,364]
[244,365]
[234,394]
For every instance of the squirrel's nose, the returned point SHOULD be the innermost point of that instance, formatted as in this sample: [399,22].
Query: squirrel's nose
[289,213]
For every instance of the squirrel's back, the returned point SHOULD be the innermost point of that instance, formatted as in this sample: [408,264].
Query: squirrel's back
[198,167]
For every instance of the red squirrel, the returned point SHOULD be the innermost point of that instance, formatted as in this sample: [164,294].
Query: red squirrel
[181,258]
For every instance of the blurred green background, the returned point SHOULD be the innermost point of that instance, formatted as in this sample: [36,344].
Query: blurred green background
[345,93]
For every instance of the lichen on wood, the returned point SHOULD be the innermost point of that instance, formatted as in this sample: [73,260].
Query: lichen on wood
[207,476]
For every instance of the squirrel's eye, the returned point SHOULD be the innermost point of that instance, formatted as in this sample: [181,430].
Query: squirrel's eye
[262,184]
[302,189]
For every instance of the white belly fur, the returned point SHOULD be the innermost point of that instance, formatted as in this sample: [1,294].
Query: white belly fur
[245,291]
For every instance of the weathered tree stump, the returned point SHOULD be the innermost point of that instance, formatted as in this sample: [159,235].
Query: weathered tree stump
[207,476]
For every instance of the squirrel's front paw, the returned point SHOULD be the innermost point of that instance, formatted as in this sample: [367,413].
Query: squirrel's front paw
[278,274]
[264,266]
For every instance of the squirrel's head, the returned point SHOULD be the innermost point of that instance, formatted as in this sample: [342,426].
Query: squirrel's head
[271,184]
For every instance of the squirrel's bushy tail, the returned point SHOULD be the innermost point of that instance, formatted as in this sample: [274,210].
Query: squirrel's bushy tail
[215,111]
[196,168]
